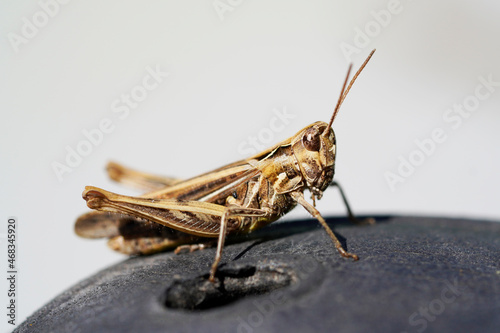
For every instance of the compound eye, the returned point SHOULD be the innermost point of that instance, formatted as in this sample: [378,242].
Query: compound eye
[311,140]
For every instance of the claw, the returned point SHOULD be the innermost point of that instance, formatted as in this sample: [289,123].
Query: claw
[346,254]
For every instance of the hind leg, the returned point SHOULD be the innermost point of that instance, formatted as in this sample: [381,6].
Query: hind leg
[148,245]
[352,218]
[194,247]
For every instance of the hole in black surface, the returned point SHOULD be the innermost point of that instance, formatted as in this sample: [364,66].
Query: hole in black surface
[231,285]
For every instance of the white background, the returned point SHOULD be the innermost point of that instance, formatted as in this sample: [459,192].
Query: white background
[226,77]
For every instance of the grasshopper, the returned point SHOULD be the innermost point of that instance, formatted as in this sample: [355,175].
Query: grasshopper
[237,198]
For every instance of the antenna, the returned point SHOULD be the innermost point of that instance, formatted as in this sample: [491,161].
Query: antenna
[345,91]
[341,98]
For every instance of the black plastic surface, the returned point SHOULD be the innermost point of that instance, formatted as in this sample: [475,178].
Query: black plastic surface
[415,274]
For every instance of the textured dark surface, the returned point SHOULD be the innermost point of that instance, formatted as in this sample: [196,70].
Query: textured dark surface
[415,274]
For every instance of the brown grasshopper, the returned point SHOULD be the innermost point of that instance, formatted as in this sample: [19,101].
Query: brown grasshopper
[237,198]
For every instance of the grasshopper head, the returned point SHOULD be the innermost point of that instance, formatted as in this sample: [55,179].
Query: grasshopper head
[314,148]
